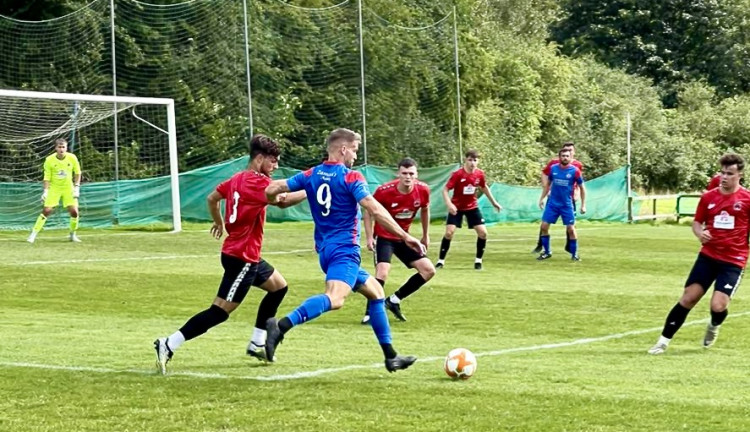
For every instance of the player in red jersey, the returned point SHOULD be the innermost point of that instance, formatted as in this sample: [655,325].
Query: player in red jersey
[714,182]
[464,183]
[402,198]
[721,224]
[244,217]
[576,192]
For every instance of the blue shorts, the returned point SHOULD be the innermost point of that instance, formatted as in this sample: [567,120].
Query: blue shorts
[341,262]
[553,211]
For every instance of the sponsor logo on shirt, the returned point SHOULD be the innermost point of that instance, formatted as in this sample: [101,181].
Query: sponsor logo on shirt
[712,205]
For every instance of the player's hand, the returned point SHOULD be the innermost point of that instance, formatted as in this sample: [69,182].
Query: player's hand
[415,244]
[44,195]
[583,209]
[498,207]
[705,236]
[425,241]
[541,204]
[76,191]
[280,198]
[452,209]
[371,244]
[217,230]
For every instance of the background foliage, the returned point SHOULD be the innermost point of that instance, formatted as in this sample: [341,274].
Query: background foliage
[533,75]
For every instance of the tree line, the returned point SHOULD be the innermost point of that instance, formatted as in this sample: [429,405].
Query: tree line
[533,75]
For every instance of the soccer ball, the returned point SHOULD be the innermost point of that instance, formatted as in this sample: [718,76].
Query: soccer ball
[460,363]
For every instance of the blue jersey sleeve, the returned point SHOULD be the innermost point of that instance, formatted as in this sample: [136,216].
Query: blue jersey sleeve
[357,185]
[298,181]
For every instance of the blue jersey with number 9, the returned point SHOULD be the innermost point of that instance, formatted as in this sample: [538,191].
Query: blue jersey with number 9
[333,191]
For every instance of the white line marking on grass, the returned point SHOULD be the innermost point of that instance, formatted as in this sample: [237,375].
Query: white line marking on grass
[147,258]
[319,372]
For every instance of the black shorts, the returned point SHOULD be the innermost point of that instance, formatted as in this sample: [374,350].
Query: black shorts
[239,276]
[706,270]
[385,248]
[473,217]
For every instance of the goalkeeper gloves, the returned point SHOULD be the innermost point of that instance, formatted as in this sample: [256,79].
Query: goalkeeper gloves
[76,191]
[44,195]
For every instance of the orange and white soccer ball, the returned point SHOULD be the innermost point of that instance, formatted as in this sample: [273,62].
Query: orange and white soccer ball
[460,363]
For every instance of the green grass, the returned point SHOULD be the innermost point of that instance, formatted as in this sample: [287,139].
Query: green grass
[98,306]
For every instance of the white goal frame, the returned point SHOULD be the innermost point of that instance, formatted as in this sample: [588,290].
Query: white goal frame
[171,130]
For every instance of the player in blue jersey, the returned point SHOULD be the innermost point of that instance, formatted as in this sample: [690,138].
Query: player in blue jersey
[562,179]
[335,193]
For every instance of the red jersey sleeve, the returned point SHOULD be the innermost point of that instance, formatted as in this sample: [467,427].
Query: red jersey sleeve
[452,180]
[379,194]
[425,196]
[482,180]
[714,183]
[223,188]
[702,210]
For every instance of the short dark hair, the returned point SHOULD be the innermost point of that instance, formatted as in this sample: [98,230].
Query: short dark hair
[568,144]
[342,134]
[563,150]
[263,145]
[472,153]
[730,159]
[407,163]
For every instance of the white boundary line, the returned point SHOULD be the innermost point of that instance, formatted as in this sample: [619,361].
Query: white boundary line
[319,372]
[146,258]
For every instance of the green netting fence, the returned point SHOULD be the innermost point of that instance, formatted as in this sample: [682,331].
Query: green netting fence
[146,202]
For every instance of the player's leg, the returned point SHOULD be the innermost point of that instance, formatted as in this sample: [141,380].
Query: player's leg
[476,221]
[425,272]
[341,266]
[271,281]
[567,234]
[238,275]
[370,288]
[52,200]
[726,286]
[571,242]
[452,222]
[383,253]
[71,204]
[549,217]
[702,275]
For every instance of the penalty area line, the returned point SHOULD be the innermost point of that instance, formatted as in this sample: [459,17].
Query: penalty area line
[146,258]
[320,372]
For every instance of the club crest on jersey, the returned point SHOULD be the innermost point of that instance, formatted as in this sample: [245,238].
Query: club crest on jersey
[737,206]
[417,203]
[567,175]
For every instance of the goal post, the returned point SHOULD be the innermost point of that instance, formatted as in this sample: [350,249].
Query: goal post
[137,153]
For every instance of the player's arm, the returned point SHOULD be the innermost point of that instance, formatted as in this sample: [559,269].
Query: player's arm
[699,220]
[582,188]
[486,190]
[214,208]
[284,200]
[545,192]
[368,222]
[76,178]
[424,216]
[276,187]
[385,220]
[448,203]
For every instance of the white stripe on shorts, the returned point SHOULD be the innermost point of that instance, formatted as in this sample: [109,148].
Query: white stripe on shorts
[237,282]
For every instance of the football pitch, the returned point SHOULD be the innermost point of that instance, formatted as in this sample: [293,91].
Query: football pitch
[561,345]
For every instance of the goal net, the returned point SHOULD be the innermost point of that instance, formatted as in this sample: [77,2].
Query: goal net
[127,148]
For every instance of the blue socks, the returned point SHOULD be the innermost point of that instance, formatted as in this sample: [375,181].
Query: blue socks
[545,243]
[379,321]
[311,308]
[573,247]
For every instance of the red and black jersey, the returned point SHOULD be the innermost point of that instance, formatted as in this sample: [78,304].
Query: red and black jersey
[727,217]
[244,214]
[464,186]
[402,206]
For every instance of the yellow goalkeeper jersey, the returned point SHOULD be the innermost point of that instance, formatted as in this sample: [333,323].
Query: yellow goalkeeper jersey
[59,172]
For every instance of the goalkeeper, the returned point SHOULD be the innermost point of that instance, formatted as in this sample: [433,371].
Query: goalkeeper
[62,180]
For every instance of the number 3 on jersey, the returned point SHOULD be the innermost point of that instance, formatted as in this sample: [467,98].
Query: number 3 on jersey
[324,198]
[236,199]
